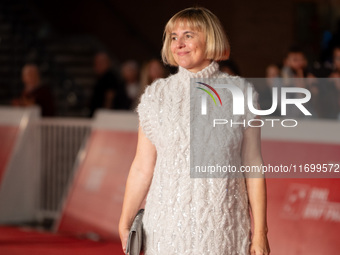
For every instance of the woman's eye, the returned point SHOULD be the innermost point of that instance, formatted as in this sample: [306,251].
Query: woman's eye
[188,36]
[173,38]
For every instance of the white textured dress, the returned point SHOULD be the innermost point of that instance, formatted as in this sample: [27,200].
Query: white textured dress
[183,215]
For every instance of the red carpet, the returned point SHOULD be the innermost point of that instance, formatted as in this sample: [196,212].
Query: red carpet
[25,241]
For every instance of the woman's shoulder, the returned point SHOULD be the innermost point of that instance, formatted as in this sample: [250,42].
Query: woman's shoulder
[153,94]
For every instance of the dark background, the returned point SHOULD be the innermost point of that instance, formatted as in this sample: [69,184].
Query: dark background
[260,32]
[61,37]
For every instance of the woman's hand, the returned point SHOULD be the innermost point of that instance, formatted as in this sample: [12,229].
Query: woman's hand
[124,234]
[259,245]
[137,184]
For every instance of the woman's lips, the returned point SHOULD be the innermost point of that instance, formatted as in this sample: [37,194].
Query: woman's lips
[182,53]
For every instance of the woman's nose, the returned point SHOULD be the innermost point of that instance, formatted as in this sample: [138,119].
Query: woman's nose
[180,43]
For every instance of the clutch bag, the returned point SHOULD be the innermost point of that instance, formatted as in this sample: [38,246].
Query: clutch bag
[135,239]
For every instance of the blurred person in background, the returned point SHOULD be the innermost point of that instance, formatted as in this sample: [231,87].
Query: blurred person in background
[295,64]
[130,75]
[296,67]
[109,91]
[336,74]
[336,63]
[151,71]
[329,94]
[327,100]
[272,71]
[331,40]
[265,90]
[229,67]
[34,92]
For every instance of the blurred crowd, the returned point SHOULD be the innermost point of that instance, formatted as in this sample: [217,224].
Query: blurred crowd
[114,89]
[320,80]
[120,88]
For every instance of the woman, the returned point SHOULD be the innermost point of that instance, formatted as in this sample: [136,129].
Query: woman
[186,215]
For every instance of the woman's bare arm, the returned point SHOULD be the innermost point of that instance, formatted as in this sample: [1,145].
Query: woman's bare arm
[256,188]
[138,183]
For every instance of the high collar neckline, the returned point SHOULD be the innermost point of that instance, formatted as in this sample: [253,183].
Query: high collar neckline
[206,72]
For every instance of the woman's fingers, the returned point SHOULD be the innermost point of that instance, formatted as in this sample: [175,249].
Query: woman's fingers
[260,245]
[124,234]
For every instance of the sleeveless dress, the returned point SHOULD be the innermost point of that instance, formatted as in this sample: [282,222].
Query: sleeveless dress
[183,215]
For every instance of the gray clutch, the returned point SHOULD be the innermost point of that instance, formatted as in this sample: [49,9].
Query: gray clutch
[135,239]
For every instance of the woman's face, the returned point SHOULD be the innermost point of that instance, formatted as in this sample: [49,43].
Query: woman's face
[188,48]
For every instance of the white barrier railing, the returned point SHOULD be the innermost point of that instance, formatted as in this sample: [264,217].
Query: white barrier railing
[60,142]
[42,163]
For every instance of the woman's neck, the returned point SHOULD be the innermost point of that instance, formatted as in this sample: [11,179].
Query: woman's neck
[203,65]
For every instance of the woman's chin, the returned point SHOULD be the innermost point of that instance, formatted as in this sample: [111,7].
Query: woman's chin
[185,65]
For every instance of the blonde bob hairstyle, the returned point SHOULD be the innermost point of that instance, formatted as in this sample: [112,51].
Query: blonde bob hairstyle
[202,20]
